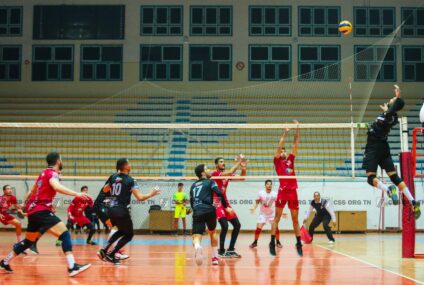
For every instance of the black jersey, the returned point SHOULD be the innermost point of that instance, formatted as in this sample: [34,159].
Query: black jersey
[201,196]
[380,128]
[103,195]
[122,186]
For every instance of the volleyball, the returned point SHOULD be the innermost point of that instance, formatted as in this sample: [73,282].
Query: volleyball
[345,27]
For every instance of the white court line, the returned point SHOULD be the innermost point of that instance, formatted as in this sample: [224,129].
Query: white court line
[370,264]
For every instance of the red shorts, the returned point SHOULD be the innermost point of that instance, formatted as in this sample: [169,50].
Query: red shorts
[221,213]
[81,220]
[287,196]
[6,218]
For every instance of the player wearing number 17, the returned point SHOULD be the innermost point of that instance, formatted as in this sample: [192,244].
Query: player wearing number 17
[121,186]
[204,213]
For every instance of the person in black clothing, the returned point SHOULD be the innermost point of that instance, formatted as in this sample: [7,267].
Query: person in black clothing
[324,214]
[121,186]
[204,214]
[377,152]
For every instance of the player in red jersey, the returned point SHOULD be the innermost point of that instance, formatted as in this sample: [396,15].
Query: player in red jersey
[76,214]
[223,216]
[287,193]
[8,201]
[41,218]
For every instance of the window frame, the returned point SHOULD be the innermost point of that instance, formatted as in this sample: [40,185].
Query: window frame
[414,25]
[204,25]
[98,62]
[326,26]
[367,25]
[9,62]
[167,62]
[414,62]
[229,62]
[299,75]
[369,63]
[264,25]
[168,25]
[270,61]
[8,25]
[53,61]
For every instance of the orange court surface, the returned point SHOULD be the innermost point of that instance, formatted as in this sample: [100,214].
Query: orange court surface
[157,259]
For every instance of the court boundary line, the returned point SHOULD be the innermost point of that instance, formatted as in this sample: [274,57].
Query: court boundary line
[370,264]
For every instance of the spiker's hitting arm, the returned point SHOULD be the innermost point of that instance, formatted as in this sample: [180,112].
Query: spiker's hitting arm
[296,139]
[281,143]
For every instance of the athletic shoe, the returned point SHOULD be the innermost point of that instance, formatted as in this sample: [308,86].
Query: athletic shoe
[101,254]
[33,248]
[272,249]
[232,254]
[299,249]
[417,210]
[78,268]
[331,242]
[279,245]
[254,244]
[5,267]
[198,255]
[58,243]
[121,255]
[112,259]
[392,193]
[223,254]
[91,242]
[215,261]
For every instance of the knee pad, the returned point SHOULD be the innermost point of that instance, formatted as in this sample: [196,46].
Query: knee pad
[371,179]
[65,237]
[396,179]
[21,246]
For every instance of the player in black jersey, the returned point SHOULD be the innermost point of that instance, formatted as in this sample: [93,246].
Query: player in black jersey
[204,213]
[377,152]
[121,186]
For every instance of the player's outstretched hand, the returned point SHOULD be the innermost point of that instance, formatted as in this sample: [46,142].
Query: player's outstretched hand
[83,195]
[384,107]
[397,90]
[155,191]
[252,210]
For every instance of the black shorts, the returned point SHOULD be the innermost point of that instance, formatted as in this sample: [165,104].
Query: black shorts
[121,218]
[42,221]
[102,212]
[203,219]
[378,154]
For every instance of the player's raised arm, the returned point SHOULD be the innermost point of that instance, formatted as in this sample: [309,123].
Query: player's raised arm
[142,197]
[54,182]
[281,143]
[233,169]
[296,138]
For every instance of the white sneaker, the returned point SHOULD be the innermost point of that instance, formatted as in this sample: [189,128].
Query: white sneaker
[330,242]
[121,256]
[198,255]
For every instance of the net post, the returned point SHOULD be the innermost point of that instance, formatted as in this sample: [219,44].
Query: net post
[403,128]
[352,149]
[408,220]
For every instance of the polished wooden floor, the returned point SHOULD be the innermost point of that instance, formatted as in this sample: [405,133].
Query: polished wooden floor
[354,259]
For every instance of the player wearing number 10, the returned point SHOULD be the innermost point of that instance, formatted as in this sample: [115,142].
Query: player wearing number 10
[121,186]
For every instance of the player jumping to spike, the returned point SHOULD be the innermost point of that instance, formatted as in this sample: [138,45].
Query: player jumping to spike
[287,193]
[377,152]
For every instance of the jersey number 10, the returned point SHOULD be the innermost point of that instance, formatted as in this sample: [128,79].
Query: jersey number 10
[116,189]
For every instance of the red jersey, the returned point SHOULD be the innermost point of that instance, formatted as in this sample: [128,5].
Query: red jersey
[78,206]
[43,197]
[222,185]
[6,202]
[285,167]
